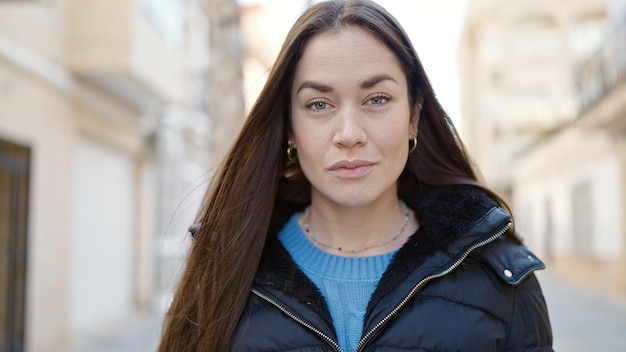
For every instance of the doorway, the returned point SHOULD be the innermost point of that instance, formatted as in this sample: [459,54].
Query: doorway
[14,187]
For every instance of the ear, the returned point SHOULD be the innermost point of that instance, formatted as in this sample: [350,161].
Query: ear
[415,117]
[291,141]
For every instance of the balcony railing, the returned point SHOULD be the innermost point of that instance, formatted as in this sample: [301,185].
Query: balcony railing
[602,72]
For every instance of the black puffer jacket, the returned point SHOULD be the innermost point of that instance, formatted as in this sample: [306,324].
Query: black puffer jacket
[456,285]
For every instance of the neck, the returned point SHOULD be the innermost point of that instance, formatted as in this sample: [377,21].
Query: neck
[357,231]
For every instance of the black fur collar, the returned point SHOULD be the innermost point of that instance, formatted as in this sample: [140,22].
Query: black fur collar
[444,213]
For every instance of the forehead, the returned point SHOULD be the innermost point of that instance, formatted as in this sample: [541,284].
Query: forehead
[350,52]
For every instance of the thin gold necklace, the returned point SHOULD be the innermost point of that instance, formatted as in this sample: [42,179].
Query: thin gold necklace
[307,231]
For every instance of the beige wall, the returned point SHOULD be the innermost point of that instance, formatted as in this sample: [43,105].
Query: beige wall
[36,114]
[75,106]
[31,24]
[45,125]
[544,185]
[114,39]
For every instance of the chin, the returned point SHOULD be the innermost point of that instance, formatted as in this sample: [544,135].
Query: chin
[354,200]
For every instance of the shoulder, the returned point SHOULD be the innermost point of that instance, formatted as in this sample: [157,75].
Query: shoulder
[491,299]
[496,285]
[504,270]
[510,261]
[529,322]
[492,278]
[514,265]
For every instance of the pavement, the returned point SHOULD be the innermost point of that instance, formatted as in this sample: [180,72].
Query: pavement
[139,332]
[581,321]
[584,321]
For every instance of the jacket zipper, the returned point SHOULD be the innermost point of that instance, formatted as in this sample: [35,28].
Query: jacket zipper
[419,285]
[324,337]
[388,317]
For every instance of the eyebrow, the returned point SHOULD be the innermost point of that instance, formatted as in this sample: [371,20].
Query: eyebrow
[315,85]
[368,83]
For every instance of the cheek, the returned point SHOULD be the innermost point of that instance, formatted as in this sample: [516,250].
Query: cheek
[308,143]
[392,135]
[395,147]
[400,148]
[301,133]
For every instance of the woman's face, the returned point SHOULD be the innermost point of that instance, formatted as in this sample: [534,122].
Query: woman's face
[351,118]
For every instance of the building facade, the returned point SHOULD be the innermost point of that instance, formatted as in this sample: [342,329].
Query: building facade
[571,185]
[544,116]
[102,130]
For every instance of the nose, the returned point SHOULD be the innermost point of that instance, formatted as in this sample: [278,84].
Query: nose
[350,129]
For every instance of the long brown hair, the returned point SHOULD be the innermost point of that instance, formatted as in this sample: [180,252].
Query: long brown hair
[250,194]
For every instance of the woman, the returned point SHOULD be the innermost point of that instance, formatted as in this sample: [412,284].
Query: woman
[347,216]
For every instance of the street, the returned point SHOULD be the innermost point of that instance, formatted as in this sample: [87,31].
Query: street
[580,322]
[139,333]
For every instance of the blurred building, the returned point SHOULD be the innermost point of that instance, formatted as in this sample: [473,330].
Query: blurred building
[264,26]
[103,132]
[544,99]
[516,63]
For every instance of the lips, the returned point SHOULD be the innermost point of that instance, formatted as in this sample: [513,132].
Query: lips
[351,169]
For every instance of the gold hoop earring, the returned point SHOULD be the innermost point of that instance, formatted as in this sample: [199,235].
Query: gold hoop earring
[292,157]
[414,141]
[292,169]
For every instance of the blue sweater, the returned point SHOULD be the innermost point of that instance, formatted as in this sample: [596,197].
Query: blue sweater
[347,283]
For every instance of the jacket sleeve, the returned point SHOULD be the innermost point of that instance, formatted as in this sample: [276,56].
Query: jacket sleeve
[530,328]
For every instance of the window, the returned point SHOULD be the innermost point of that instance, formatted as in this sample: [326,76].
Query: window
[548,230]
[14,184]
[582,219]
[586,36]
[535,104]
[536,38]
